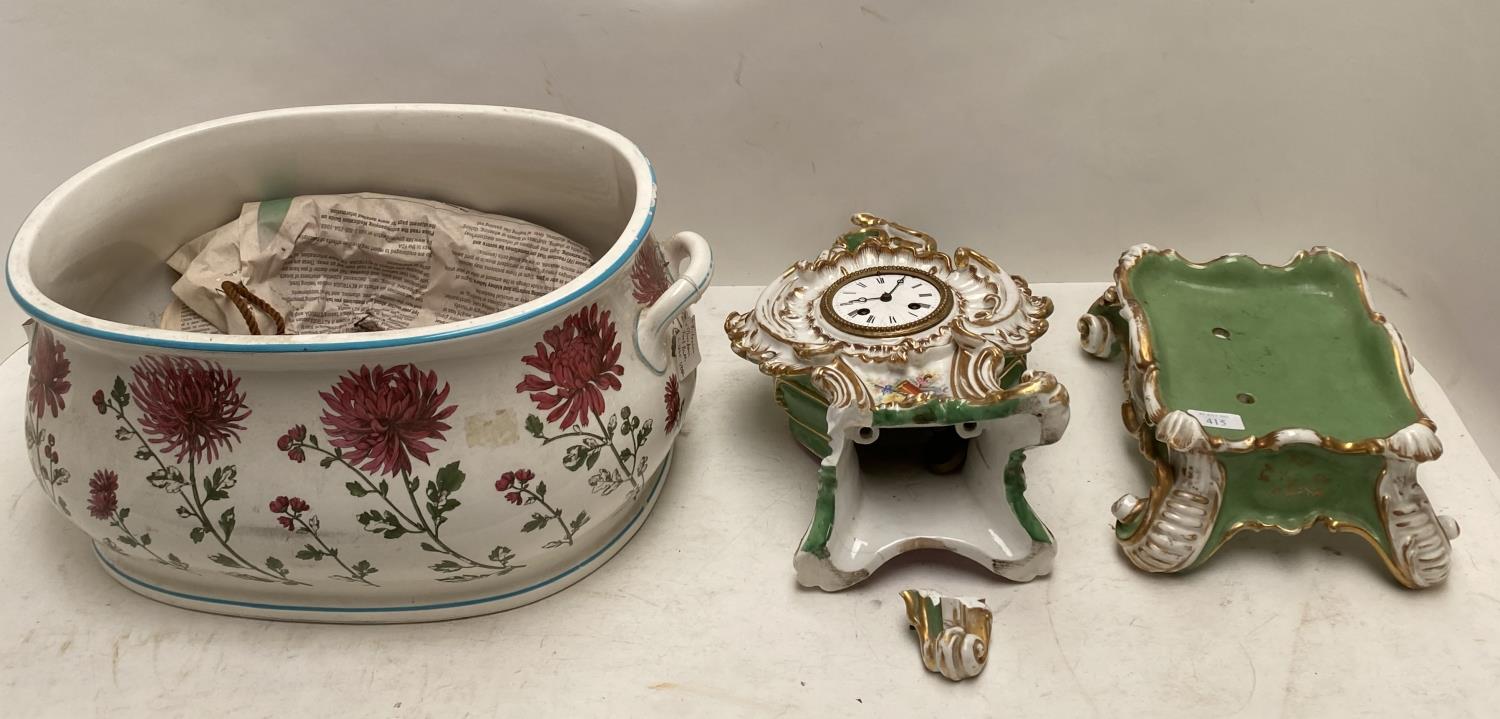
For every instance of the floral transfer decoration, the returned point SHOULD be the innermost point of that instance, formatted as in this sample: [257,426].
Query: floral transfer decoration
[581,360]
[672,396]
[381,418]
[189,407]
[518,490]
[377,420]
[648,273]
[48,381]
[921,387]
[104,504]
[191,411]
[293,516]
[47,386]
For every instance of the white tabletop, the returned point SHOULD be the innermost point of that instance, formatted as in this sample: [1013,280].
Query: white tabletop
[700,614]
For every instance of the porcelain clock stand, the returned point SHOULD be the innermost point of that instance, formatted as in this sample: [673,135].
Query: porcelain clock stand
[1266,397]
[904,370]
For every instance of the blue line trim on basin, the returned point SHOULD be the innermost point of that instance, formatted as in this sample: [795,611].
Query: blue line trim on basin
[439,336]
[661,477]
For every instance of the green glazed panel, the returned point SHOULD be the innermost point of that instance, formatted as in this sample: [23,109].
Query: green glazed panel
[808,415]
[1015,493]
[816,541]
[1294,486]
[1300,342]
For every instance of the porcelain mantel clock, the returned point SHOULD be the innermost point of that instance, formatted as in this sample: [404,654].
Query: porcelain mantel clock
[904,370]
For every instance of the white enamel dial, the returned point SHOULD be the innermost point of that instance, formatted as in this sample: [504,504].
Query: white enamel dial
[886,302]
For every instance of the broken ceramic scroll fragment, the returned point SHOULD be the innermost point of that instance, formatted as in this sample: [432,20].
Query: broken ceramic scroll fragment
[953,633]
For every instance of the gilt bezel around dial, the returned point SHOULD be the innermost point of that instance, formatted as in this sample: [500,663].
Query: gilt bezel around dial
[943,307]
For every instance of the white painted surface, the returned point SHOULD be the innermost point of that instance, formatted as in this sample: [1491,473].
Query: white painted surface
[1049,135]
[700,614]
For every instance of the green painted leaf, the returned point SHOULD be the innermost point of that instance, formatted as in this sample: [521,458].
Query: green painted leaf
[143,453]
[554,543]
[537,522]
[120,393]
[124,434]
[146,540]
[124,512]
[534,425]
[174,561]
[276,566]
[183,512]
[501,555]
[363,568]
[309,552]
[579,521]
[219,483]
[626,455]
[383,487]
[226,523]
[447,565]
[625,413]
[593,458]
[450,478]
[197,534]
[226,560]
[541,489]
[356,489]
[326,462]
[127,541]
[428,547]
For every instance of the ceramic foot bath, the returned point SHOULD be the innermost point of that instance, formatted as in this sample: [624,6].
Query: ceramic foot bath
[410,475]
[904,370]
[1266,398]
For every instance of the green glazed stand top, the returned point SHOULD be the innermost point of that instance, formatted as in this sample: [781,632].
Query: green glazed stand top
[1271,344]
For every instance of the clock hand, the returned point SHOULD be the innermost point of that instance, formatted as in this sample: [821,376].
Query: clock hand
[857,300]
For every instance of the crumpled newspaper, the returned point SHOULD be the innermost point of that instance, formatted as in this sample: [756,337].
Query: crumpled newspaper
[362,262]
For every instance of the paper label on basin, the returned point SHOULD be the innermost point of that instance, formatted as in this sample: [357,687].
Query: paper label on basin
[685,354]
[1220,420]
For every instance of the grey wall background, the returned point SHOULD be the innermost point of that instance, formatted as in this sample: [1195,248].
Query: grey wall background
[1051,135]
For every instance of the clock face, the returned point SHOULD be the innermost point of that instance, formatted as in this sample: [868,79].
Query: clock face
[886,302]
